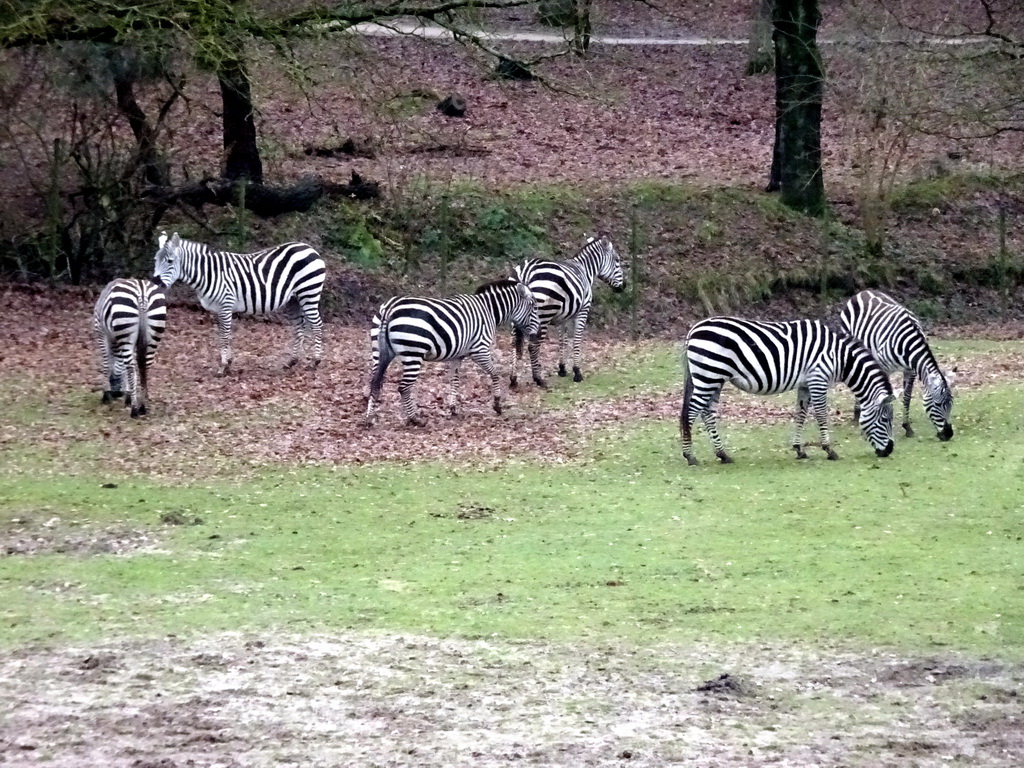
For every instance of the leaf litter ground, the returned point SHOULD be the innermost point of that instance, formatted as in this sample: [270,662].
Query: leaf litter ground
[377,699]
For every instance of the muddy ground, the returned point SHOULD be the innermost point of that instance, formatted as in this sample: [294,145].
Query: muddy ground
[382,700]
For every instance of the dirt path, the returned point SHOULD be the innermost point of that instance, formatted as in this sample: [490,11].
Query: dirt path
[381,700]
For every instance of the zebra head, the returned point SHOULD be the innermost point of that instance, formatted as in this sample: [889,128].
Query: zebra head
[609,265]
[875,419]
[869,384]
[524,313]
[168,259]
[938,403]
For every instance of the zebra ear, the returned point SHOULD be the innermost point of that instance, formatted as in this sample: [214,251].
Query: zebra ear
[951,377]
[161,241]
[175,241]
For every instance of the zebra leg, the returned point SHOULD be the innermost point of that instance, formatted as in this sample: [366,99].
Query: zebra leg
[687,416]
[517,344]
[563,342]
[580,326]
[224,340]
[819,405]
[315,328]
[534,349]
[374,354]
[908,391]
[803,399]
[483,358]
[452,399]
[294,314]
[410,372]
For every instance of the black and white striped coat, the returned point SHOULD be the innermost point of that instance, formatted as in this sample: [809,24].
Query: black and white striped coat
[895,338]
[564,291]
[416,330]
[287,277]
[128,322]
[768,358]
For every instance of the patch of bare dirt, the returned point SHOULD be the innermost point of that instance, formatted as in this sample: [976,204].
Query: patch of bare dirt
[262,415]
[357,699]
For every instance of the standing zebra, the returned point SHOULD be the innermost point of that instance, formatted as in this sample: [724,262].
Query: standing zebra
[769,358]
[564,291]
[128,321]
[288,277]
[896,339]
[416,330]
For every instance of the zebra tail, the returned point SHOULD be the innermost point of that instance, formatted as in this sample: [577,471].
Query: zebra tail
[141,346]
[684,421]
[385,354]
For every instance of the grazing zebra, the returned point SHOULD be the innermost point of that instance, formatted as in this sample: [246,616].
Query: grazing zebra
[896,340]
[564,291]
[769,358]
[416,330]
[288,277]
[128,322]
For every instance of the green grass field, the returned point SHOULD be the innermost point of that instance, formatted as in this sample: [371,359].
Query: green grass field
[922,550]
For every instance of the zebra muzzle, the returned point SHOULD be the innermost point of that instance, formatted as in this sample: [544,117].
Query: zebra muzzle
[946,433]
[883,452]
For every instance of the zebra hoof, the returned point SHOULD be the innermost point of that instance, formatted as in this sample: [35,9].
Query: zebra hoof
[832,455]
[416,421]
[109,397]
[291,363]
[316,364]
[513,383]
[576,375]
[561,370]
[691,459]
[724,457]
[497,406]
[540,382]
[800,452]
[907,429]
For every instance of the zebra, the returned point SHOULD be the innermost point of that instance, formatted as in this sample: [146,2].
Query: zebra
[416,330]
[288,277]
[128,321]
[768,358]
[564,291]
[896,339]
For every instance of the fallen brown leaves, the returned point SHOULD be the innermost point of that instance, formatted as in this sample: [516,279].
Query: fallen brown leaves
[262,415]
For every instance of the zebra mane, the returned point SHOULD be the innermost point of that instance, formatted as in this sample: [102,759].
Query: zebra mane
[492,286]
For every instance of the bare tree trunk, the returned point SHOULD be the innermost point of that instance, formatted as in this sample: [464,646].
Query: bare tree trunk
[581,28]
[241,154]
[799,82]
[761,50]
[156,171]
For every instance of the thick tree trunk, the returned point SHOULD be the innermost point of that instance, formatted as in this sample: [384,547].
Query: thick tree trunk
[581,28]
[241,155]
[761,50]
[156,171]
[799,82]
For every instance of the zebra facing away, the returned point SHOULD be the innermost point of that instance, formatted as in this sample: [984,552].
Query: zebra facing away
[416,330]
[769,358]
[128,321]
[287,277]
[564,291]
[895,338]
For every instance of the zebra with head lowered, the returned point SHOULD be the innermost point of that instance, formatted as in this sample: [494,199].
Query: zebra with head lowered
[128,322]
[769,358]
[288,277]
[416,330]
[564,291]
[895,338]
